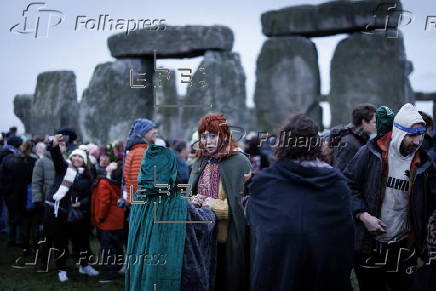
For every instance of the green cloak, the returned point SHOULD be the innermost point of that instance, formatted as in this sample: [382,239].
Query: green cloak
[232,170]
[155,250]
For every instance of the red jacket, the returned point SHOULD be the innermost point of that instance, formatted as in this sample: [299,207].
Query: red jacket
[105,214]
[132,166]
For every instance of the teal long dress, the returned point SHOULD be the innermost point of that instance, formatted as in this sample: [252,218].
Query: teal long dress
[155,247]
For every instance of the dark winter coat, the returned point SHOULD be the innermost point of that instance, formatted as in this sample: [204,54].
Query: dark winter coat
[365,178]
[301,217]
[17,175]
[349,144]
[5,151]
[79,191]
[232,170]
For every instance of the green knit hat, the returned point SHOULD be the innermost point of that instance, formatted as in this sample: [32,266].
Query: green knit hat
[384,119]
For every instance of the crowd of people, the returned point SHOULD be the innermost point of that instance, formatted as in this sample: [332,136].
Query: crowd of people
[294,210]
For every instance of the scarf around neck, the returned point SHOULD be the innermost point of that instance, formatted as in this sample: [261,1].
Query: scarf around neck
[209,179]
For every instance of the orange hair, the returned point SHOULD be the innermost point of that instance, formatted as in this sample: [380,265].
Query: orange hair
[216,123]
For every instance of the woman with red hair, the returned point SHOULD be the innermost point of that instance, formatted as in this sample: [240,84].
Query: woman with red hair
[217,180]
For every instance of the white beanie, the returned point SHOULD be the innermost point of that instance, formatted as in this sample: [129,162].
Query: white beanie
[405,118]
[80,153]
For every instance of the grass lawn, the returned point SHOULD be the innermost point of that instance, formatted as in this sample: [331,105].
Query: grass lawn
[28,279]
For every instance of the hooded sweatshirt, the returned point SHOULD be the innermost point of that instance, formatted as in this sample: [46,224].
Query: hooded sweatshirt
[395,205]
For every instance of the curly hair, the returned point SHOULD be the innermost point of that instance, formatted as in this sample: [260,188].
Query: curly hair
[217,123]
[298,139]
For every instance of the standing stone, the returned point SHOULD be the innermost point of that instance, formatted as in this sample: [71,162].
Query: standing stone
[408,90]
[166,111]
[218,83]
[172,42]
[287,80]
[315,111]
[368,69]
[22,109]
[331,18]
[109,104]
[55,103]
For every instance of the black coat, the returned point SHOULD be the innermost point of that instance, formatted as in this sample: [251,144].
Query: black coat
[301,217]
[79,191]
[365,178]
[5,151]
[16,176]
[344,152]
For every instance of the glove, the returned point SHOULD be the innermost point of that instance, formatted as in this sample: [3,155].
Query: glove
[60,193]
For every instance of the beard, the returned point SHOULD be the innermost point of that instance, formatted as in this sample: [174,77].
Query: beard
[406,150]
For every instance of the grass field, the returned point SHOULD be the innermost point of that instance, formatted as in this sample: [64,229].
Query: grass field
[28,279]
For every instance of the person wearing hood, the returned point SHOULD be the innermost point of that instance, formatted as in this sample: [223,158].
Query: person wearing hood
[67,213]
[142,133]
[299,209]
[171,242]
[392,201]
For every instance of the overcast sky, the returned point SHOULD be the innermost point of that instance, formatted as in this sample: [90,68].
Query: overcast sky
[23,56]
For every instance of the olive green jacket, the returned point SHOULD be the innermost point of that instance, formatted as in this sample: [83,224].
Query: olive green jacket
[232,170]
